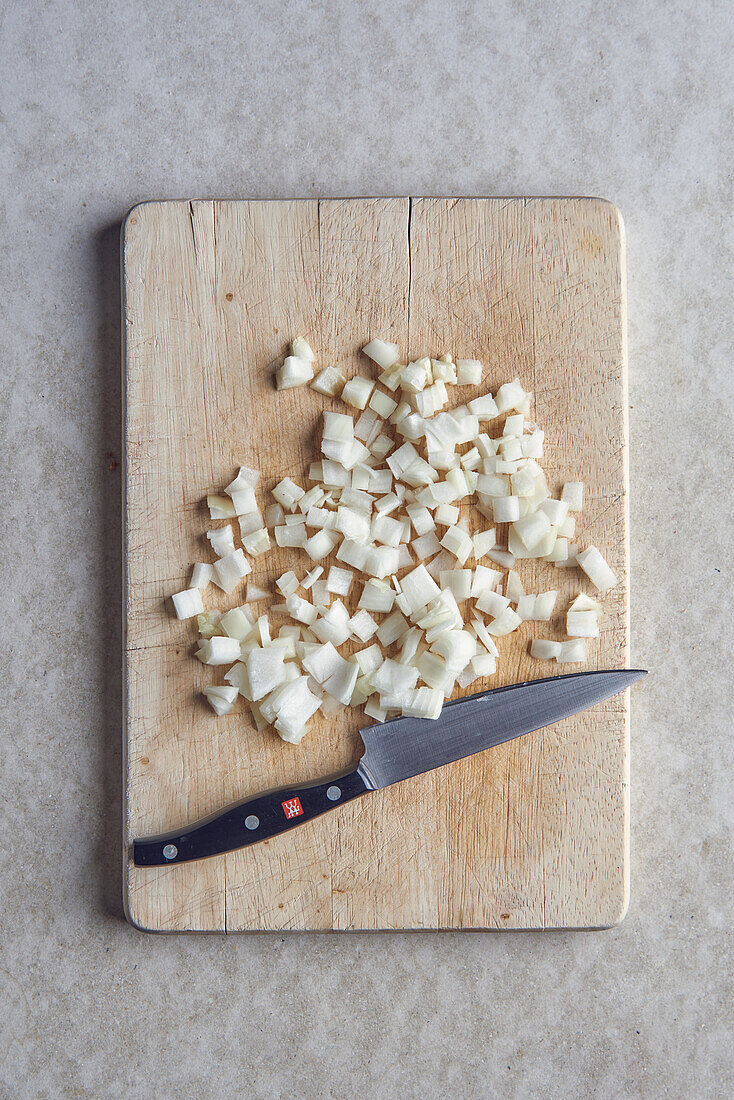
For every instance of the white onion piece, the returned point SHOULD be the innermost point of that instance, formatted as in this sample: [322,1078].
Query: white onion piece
[458,543]
[293,372]
[492,602]
[544,605]
[596,568]
[220,507]
[582,624]
[419,589]
[573,495]
[300,348]
[188,603]
[257,543]
[468,372]
[221,699]
[301,610]
[324,661]
[246,478]
[201,575]
[382,352]
[244,500]
[230,569]
[393,627]
[544,649]
[288,493]
[287,583]
[555,510]
[506,509]
[362,625]
[219,650]
[572,652]
[497,554]
[329,382]
[357,391]
[458,581]
[584,603]
[526,607]
[505,623]
[310,579]
[237,623]
[291,534]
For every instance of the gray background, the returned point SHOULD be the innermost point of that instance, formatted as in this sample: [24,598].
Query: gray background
[105,105]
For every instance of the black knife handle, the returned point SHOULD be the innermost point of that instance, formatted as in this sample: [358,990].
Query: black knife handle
[248,822]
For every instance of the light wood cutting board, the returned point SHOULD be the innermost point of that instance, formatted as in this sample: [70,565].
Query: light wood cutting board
[532,834]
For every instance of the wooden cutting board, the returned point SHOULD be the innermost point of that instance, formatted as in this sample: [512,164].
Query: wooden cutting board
[532,834]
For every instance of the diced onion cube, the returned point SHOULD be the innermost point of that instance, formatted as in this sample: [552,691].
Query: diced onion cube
[505,623]
[257,543]
[357,391]
[219,650]
[573,495]
[468,372]
[506,509]
[221,699]
[382,352]
[596,568]
[329,382]
[572,652]
[293,372]
[220,507]
[230,569]
[582,624]
[201,575]
[188,603]
[301,349]
[544,649]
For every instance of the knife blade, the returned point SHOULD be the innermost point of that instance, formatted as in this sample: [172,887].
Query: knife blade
[394,751]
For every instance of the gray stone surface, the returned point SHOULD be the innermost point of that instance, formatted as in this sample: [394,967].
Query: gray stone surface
[104,105]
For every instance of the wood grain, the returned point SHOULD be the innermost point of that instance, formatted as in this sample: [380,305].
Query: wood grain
[533,834]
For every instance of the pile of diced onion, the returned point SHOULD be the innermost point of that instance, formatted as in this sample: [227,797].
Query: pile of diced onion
[389,510]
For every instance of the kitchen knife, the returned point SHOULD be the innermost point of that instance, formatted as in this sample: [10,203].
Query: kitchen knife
[394,750]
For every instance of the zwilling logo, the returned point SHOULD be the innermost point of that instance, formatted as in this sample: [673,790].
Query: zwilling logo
[292,808]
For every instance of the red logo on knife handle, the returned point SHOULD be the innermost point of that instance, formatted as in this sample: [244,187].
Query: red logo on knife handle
[292,808]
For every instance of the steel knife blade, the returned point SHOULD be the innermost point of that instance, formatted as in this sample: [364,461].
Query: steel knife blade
[394,751]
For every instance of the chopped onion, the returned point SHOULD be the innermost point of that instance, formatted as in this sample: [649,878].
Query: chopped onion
[505,623]
[357,391]
[221,699]
[329,381]
[573,495]
[468,372]
[544,649]
[312,577]
[301,349]
[220,507]
[188,603]
[596,568]
[201,575]
[382,352]
[230,569]
[257,543]
[294,372]
[254,593]
[219,650]
[584,603]
[237,623]
[368,499]
[582,624]
[506,509]
[362,625]
[544,605]
[572,652]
